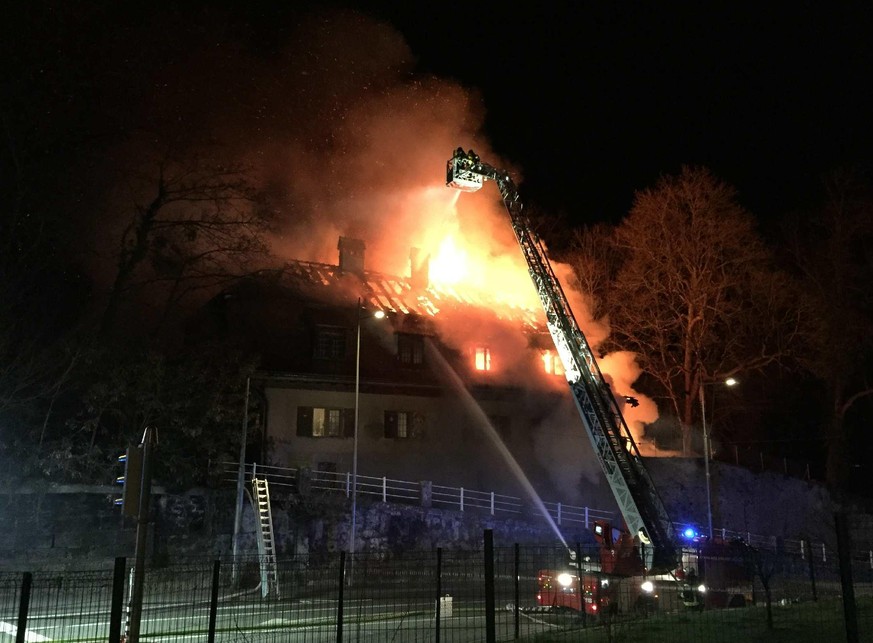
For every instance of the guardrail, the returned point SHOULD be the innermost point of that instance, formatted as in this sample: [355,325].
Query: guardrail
[462,499]
[406,492]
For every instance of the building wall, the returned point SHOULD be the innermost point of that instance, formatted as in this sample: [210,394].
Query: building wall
[455,444]
[280,319]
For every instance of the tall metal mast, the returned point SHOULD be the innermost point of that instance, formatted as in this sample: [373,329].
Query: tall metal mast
[635,493]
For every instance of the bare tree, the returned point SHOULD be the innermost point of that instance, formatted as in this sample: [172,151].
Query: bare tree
[689,286]
[763,564]
[192,223]
[831,249]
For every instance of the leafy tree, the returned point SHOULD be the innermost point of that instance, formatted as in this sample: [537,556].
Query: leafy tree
[688,285]
[831,248]
[194,397]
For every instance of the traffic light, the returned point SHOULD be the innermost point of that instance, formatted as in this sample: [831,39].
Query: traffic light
[131,481]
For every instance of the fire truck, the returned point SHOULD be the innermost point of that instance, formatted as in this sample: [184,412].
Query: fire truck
[647,549]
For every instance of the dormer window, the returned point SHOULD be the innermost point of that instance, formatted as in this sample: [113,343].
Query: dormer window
[410,349]
[330,343]
[482,358]
[552,363]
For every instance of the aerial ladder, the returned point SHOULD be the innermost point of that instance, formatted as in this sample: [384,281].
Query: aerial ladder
[638,500]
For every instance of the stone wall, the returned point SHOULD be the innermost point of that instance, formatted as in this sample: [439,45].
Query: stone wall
[71,526]
[78,527]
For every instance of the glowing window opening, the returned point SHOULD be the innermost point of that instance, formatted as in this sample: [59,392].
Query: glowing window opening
[321,422]
[552,363]
[483,359]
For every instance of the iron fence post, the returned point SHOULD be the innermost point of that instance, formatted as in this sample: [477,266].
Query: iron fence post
[581,585]
[23,606]
[213,600]
[490,629]
[117,606]
[517,596]
[439,593]
[850,612]
[811,569]
[341,598]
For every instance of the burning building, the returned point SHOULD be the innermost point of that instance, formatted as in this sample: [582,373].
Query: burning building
[450,385]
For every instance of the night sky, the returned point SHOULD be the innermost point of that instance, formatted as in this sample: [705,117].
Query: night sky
[589,102]
[599,100]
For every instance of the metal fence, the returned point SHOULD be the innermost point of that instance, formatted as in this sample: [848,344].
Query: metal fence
[491,594]
[463,499]
[407,492]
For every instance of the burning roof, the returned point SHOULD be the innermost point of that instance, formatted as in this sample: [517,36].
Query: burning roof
[413,295]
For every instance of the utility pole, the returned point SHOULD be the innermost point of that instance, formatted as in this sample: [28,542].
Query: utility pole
[149,440]
[706,464]
[240,483]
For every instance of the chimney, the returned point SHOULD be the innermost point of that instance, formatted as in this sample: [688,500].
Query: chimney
[351,255]
[419,269]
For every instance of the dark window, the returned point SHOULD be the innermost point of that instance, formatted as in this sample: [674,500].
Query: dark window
[330,343]
[318,422]
[410,349]
[402,425]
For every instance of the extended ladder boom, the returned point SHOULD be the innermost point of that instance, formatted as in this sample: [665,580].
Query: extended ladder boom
[635,493]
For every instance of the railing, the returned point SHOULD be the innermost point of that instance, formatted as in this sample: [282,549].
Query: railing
[406,492]
[464,499]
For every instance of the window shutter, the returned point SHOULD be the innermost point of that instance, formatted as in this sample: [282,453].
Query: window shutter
[304,421]
[417,425]
[390,424]
[348,420]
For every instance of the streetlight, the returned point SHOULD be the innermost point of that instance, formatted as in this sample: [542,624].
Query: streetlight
[706,450]
[362,314]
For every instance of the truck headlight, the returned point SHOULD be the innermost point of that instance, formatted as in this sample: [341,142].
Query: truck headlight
[701,588]
[565,580]
[648,587]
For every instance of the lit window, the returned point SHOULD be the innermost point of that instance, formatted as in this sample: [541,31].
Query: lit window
[552,363]
[483,359]
[316,422]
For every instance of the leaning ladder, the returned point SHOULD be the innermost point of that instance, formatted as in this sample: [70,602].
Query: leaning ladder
[266,541]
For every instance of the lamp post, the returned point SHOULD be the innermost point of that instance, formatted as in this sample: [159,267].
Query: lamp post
[360,315]
[707,451]
[240,483]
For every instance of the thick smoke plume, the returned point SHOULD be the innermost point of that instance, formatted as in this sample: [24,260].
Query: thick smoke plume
[347,140]
[371,166]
